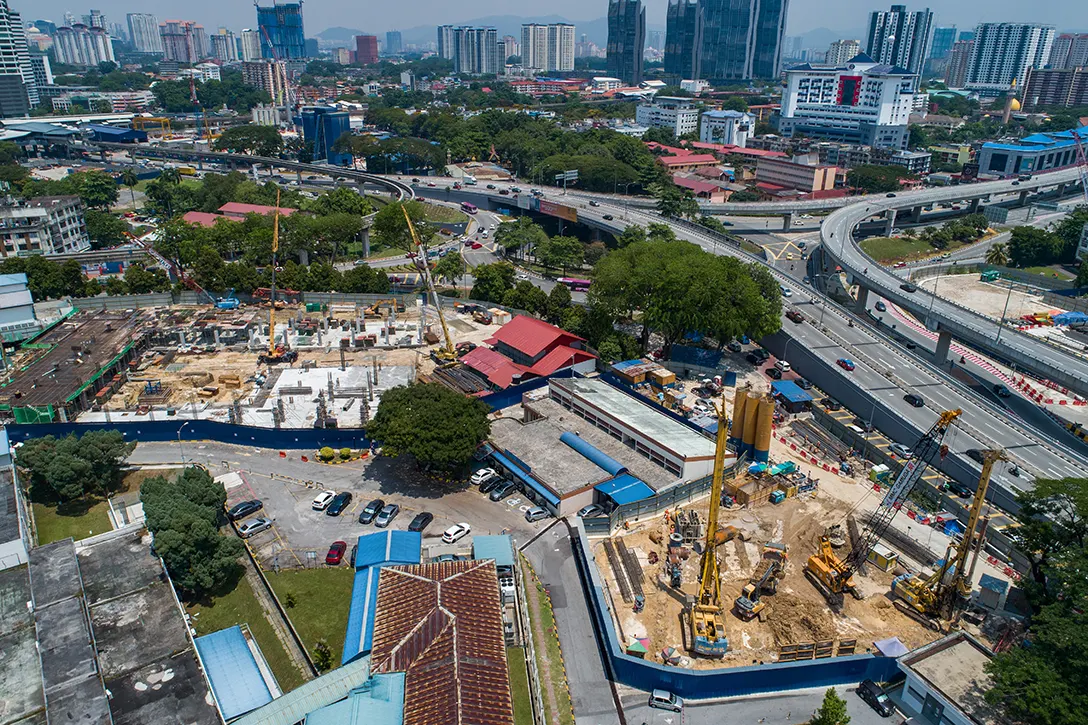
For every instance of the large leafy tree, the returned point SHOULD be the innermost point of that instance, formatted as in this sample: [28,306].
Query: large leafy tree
[438,427]
[391,230]
[1030,246]
[72,466]
[877,179]
[250,139]
[521,234]
[104,229]
[561,252]
[492,281]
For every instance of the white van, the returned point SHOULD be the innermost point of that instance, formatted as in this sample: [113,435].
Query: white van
[783,366]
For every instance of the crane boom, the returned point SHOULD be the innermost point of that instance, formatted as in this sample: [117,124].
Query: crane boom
[1082,164]
[707,625]
[448,353]
[272,297]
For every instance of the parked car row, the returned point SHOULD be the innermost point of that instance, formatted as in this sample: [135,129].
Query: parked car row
[497,488]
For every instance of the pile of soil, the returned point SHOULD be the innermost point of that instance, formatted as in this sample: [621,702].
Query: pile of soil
[794,620]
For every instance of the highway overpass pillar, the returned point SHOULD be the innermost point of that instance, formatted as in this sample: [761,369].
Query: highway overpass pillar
[1023,197]
[944,340]
[200,164]
[974,206]
[298,176]
[862,301]
[1060,190]
[787,221]
[916,214]
[889,223]
[366,241]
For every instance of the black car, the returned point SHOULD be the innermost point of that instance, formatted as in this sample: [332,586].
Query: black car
[960,490]
[890,196]
[908,287]
[910,345]
[831,404]
[354,551]
[872,693]
[753,358]
[339,503]
[803,384]
[371,511]
[975,455]
[608,217]
[491,186]
[773,373]
[880,306]
[915,400]
[420,521]
[243,509]
[489,486]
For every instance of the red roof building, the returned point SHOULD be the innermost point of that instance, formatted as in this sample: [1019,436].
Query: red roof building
[728,149]
[500,371]
[688,162]
[526,348]
[204,219]
[526,340]
[239,210]
[702,189]
[441,624]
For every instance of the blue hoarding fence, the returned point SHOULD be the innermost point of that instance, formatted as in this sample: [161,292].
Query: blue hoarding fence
[724,682]
[198,430]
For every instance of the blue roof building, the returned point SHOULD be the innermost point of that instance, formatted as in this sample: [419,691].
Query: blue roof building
[500,548]
[102,132]
[378,701]
[791,395]
[1031,154]
[387,548]
[237,680]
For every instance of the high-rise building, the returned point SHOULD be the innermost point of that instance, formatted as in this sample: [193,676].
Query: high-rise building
[183,41]
[547,47]
[743,39]
[45,26]
[268,75]
[899,38]
[446,41]
[250,42]
[679,115]
[366,49]
[943,38]
[862,103]
[1003,53]
[1066,87]
[512,47]
[43,71]
[96,19]
[143,30]
[473,50]
[791,46]
[626,40]
[683,41]
[281,33]
[322,127]
[225,46]
[394,43]
[18,91]
[655,39]
[842,51]
[1069,51]
[311,48]
[959,59]
[82,45]
[118,32]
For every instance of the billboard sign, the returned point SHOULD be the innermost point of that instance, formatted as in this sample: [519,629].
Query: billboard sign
[559,210]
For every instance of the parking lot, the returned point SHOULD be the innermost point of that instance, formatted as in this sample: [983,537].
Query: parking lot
[302,536]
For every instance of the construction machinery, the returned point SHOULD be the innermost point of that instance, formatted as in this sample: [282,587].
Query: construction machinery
[707,623]
[280,353]
[832,575]
[446,355]
[230,302]
[764,580]
[936,599]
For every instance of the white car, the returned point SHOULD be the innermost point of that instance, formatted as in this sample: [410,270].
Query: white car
[455,533]
[322,500]
[254,527]
[483,476]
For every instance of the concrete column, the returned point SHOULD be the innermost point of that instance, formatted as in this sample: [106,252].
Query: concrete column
[889,223]
[974,206]
[944,340]
[215,331]
[366,242]
[787,221]
[1060,190]
[304,257]
[916,214]
[200,164]
[298,176]
[1023,197]
[862,300]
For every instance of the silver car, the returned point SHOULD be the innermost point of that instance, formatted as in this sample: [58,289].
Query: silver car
[387,515]
[254,527]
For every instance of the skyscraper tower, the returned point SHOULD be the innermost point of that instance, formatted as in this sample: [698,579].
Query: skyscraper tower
[743,39]
[899,38]
[143,29]
[18,92]
[683,40]
[626,40]
[282,34]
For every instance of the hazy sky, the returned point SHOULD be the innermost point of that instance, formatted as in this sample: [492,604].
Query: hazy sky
[377,16]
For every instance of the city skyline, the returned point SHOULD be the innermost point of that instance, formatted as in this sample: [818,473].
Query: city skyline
[804,16]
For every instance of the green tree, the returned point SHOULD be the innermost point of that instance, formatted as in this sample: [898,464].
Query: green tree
[341,200]
[96,188]
[521,234]
[630,235]
[438,427]
[735,103]
[249,139]
[322,656]
[832,711]
[997,254]
[1069,230]
[672,201]
[104,229]
[73,466]
[450,268]
[129,179]
[559,301]
[877,179]
[391,230]
[526,296]
[1082,274]
[140,280]
[562,252]
[492,281]
[1030,246]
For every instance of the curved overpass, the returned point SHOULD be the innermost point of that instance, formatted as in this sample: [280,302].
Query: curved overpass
[951,320]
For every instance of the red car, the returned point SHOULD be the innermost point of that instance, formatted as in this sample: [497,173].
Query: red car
[845,363]
[336,553]
[477,245]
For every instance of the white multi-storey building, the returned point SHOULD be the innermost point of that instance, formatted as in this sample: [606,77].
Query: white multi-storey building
[841,51]
[18,91]
[224,46]
[860,102]
[677,114]
[1069,51]
[143,28]
[900,38]
[560,47]
[83,45]
[251,44]
[1003,52]
[46,225]
[731,128]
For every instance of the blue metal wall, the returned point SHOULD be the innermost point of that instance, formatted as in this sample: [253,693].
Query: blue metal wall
[726,682]
[195,430]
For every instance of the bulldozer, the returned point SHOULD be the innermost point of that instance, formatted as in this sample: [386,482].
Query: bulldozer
[764,580]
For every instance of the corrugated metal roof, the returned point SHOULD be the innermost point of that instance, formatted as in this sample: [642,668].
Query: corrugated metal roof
[531,336]
[402,547]
[384,548]
[558,359]
[380,701]
[625,489]
[232,671]
[790,391]
[499,370]
[498,547]
[293,707]
[442,625]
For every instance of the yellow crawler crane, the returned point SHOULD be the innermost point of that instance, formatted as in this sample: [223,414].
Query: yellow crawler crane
[707,621]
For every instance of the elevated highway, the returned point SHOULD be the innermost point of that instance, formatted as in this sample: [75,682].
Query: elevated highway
[950,320]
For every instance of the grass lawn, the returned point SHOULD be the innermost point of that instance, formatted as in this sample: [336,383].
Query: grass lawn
[550,649]
[895,249]
[519,686]
[1053,272]
[240,606]
[444,214]
[322,599]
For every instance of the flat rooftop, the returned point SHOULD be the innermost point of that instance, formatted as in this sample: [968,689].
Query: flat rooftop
[21,690]
[561,467]
[955,667]
[639,416]
[9,515]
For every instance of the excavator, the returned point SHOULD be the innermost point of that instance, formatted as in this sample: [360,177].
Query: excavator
[833,576]
[935,600]
[445,356]
[764,580]
[276,353]
[705,615]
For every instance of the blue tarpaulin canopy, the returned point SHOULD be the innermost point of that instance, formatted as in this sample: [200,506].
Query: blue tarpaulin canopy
[1070,318]
[625,489]
[790,391]
[232,671]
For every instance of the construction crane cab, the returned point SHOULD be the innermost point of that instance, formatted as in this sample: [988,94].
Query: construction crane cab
[764,580]
[935,600]
[832,575]
[705,614]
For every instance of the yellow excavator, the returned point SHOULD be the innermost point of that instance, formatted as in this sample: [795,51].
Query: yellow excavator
[935,600]
[276,353]
[834,576]
[707,622]
[445,356]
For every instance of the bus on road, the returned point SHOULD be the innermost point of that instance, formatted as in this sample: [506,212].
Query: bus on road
[468,208]
[575,285]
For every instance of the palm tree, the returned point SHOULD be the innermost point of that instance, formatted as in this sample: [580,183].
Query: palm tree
[170,175]
[997,254]
[129,179]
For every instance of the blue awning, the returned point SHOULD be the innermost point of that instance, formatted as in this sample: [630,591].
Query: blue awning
[594,454]
[790,391]
[524,478]
[625,489]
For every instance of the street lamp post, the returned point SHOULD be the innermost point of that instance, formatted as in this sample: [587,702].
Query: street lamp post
[181,447]
[625,196]
[1001,324]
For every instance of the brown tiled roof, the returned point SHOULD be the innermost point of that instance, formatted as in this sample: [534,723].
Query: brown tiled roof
[441,624]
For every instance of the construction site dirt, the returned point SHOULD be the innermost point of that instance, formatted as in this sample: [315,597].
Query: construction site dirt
[796,614]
